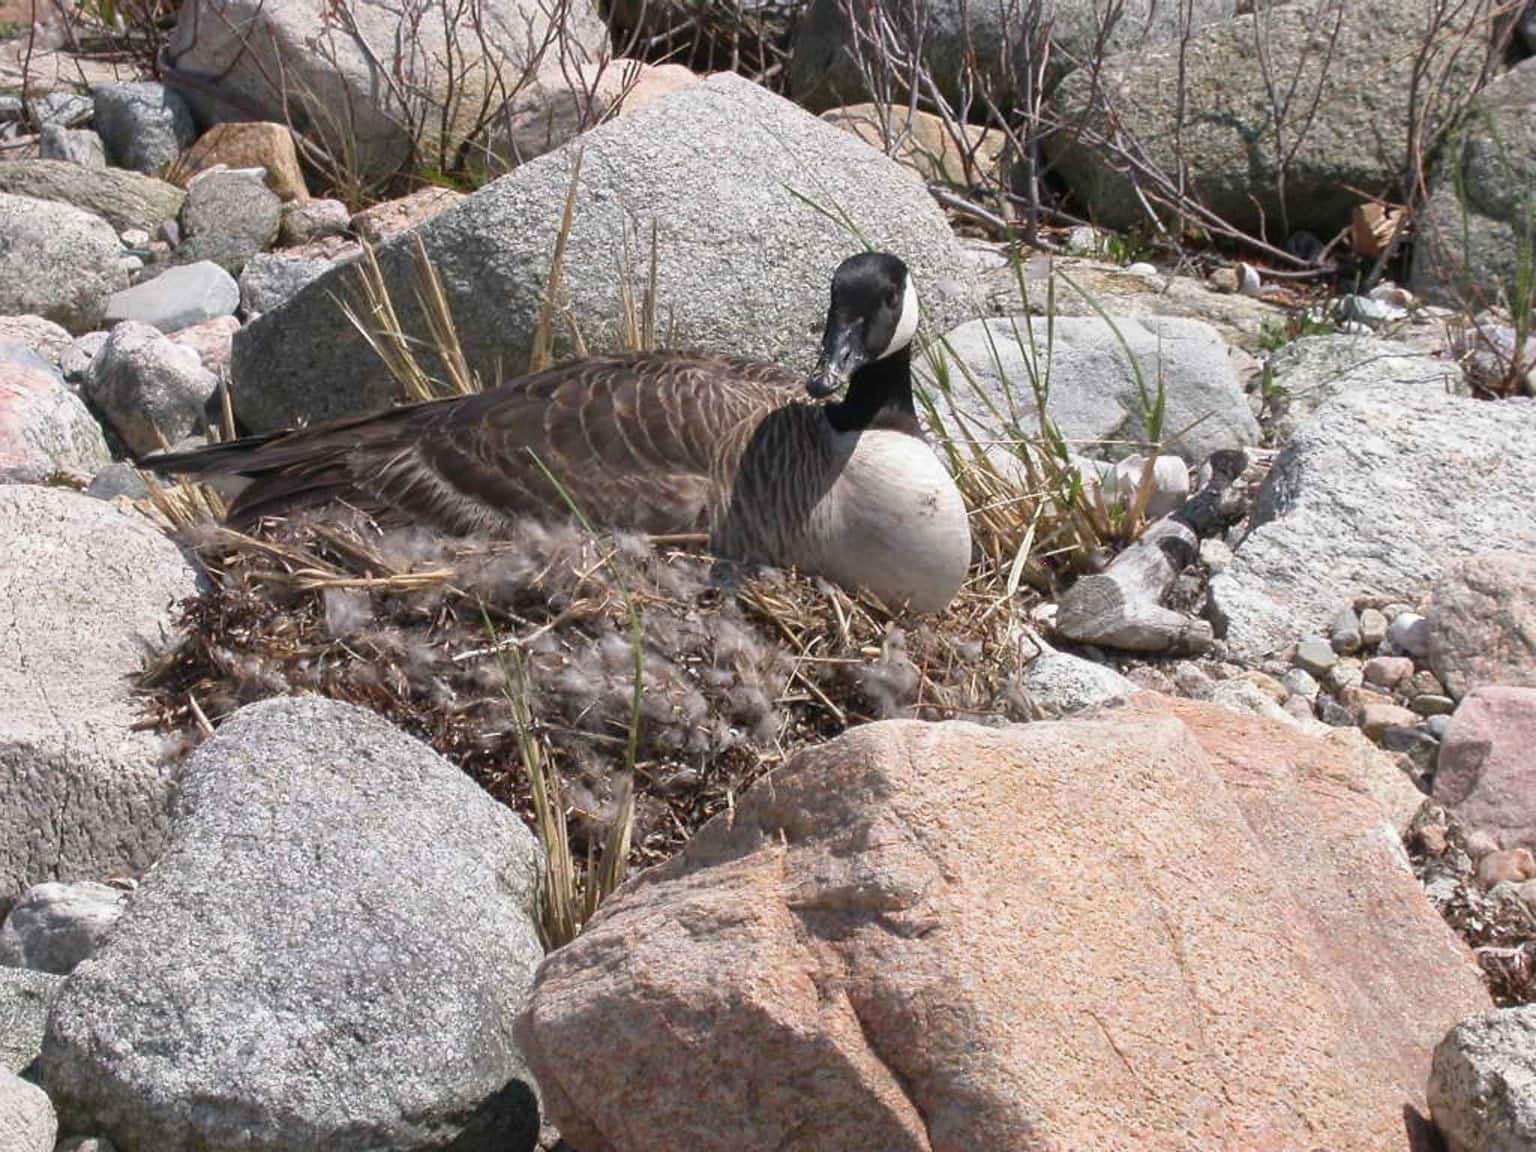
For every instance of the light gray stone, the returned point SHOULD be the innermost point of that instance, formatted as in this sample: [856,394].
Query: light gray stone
[743,262]
[229,216]
[45,429]
[27,1121]
[1096,399]
[1409,634]
[1316,655]
[151,390]
[307,220]
[330,955]
[1373,628]
[86,592]
[57,262]
[1482,1083]
[72,145]
[144,125]
[117,479]
[271,278]
[25,998]
[124,199]
[52,927]
[1205,108]
[177,298]
[1059,684]
[86,1144]
[63,108]
[1299,682]
[1468,246]
[357,84]
[1382,487]
[75,361]
[1308,371]
[824,71]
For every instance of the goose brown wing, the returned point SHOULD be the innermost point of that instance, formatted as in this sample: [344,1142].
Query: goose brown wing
[638,441]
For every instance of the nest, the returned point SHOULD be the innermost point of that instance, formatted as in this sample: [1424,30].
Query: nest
[455,639]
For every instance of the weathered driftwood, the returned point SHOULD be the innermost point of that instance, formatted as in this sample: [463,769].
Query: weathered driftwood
[1122,607]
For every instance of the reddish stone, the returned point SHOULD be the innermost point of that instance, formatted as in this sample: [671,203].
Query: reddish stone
[1180,928]
[1487,768]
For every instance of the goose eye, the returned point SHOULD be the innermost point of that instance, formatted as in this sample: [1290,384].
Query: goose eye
[892,298]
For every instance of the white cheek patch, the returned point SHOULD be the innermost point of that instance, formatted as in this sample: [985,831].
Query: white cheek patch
[906,327]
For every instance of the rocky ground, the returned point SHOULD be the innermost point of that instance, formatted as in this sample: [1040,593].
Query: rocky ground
[1205,817]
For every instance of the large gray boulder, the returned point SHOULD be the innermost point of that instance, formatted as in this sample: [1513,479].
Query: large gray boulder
[144,125]
[375,80]
[1390,480]
[27,1121]
[53,926]
[1475,231]
[1095,397]
[330,955]
[124,199]
[25,998]
[1204,111]
[56,261]
[45,429]
[824,70]
[153,391]
[1482,1085]
[86,591]
[744,263]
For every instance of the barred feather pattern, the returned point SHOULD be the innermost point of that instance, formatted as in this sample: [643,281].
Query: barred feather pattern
[655,442]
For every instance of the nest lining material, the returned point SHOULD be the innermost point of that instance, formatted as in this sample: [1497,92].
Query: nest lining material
[741,666]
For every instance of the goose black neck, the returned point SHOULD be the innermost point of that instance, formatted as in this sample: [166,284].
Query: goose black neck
[880,390]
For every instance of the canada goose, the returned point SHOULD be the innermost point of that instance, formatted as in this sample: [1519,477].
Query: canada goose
[664,442]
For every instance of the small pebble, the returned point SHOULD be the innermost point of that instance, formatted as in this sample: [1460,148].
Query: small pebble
[1299,707]
[1267,685]
[1333,714]
[1426,683]
[1344,632]
[1438,725]
[1315,655]
[1428,705]
[1375,719]
[1248,282]
[1410,633]
[1226,280]
[1514,865]
[1347,673]
[1387,671]
[1373,628]
[1299,682]
[1390,293]
[1191,681]
[1422,749]
[1141,268]
[135,238]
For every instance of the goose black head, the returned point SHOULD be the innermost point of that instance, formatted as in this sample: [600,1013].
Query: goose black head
[873,316]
